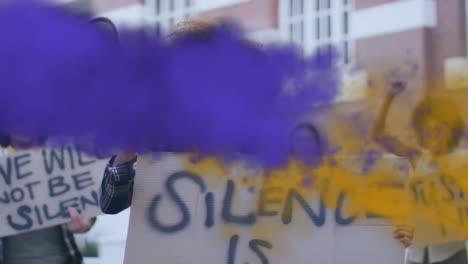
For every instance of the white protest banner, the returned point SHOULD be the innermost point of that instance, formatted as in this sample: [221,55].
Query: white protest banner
[180,217]
[37,187]
[440,200]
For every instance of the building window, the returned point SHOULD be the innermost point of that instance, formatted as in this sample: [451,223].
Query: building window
[322,4]
[345,23]
[317,28]
[323,16]
[158,7]
[168,13]
[158,29]
[318,24]
[296,23]
[171,5]
[347,49]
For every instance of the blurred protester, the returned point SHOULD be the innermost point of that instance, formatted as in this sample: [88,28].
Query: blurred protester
[117,184]
[53,245]
[438,136]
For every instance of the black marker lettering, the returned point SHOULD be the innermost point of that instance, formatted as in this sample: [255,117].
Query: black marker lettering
[18,164]
[38,214]
[54,157]
[6,172]
[94,201]
[265,200]
[451,187]
[17,195]
[71,156]
[47,214]
[248,219]
[81,181]
[30,189]
[339,219]
[85,162]
[318,220]
[175,197]
[6,198]
[57,186]
[209,202]
[420,190]
[255,245]
[24,212]
[231,258]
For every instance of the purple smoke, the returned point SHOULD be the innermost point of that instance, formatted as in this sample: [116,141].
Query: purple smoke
[61,77]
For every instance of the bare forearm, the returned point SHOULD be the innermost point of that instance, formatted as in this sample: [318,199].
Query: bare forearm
[390,143]
[379,127]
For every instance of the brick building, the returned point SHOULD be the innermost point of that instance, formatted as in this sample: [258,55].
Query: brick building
[373,36]
[307,23]
[425,32]
[366,32]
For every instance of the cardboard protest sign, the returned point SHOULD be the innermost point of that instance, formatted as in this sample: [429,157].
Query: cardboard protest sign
[440,204]
[180,217]
[37,187]
[431,198]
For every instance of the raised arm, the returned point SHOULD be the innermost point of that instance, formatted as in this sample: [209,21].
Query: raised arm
[403,233]
[117,184]
[379,134]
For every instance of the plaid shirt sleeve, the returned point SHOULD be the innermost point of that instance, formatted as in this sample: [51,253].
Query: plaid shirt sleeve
[117,187]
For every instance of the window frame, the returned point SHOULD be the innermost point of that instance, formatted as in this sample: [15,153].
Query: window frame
[324,23]
[168,13]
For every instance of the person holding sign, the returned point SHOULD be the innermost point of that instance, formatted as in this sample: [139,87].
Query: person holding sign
[53,245]
[438,135]
[307,144]
[117,184]
[118,181]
